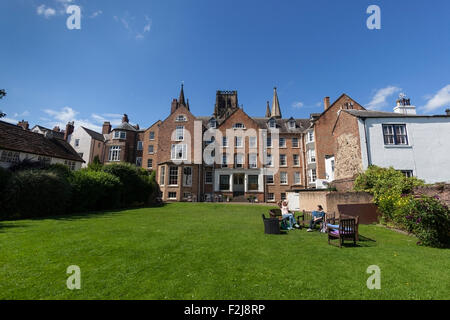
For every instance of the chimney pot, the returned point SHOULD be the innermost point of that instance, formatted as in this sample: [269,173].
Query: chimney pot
[56,129]
[326,103]
[125,118]
[23,124]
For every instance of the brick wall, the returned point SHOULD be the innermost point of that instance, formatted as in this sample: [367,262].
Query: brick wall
[324,140]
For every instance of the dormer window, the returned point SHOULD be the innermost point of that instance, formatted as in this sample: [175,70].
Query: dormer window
[238,126]
[272,123]
[291,124]
[181,118]
[212,123]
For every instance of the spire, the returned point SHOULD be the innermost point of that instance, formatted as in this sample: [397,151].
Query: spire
[181,100]
[276,111]
[268,110]
[187,104]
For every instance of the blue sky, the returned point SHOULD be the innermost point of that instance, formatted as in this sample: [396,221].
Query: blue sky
[131,56]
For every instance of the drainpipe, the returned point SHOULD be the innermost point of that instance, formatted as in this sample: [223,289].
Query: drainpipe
[369,161]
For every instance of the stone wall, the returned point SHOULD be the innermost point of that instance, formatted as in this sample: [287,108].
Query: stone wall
[440,190]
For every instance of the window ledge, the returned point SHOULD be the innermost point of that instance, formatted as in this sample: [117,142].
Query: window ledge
[400,146]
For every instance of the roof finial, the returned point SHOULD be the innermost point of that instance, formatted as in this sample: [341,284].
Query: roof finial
[268,110]
[181,100]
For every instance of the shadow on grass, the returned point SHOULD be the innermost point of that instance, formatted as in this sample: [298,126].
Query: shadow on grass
[4,227]
[84,215]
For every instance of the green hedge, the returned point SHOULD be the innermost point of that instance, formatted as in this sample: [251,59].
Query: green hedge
[94,190]
[56,190]
[36,193]
[137,186]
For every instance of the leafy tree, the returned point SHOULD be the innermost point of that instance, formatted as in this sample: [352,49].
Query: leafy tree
[2,94]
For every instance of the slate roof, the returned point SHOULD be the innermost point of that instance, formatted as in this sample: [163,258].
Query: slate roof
[125,126]
[383,114]
[94,135]
[15,138]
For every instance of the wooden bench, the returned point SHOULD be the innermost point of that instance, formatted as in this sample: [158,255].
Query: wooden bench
[346,231]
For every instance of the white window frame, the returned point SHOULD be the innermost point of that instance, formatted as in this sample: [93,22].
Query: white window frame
[297,178]
[171,176]
[270,197]
[283,174]
[283,160]
[208,173]
[179,133]
[240,140]
[187,182]
[114,153]
[253,160]
[282,145]
[152,147]
[162,176]
[178,149]
[181,118]
[273,179]
[122,135]
[296,160]
[295,145]
[151,161]
[252,142]
[140,145]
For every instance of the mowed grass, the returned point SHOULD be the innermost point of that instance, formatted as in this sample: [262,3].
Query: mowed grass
[208,251]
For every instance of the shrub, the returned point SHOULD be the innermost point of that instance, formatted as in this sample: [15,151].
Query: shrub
[61,170]
[36,193]
[137,186]
[428,219]
[5,175]
[94,190]
[387,186]
[96,165]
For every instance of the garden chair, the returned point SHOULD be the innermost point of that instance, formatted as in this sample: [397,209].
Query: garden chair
[345,231]
[271,225]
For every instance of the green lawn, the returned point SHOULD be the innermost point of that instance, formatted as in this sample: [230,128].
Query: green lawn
[208,251]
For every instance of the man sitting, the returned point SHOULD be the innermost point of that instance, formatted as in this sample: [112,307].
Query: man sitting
[317,216]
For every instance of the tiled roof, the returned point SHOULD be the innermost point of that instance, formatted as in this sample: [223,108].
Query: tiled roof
[15,138]
[125,126]
[282,124]
[59,135]
[95,135]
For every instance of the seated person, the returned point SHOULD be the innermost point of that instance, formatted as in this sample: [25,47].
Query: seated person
[317,216]
[287,215]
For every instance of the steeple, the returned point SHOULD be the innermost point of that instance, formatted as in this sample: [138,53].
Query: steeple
[181,100]
[276,111]
[187,104]
[268,110]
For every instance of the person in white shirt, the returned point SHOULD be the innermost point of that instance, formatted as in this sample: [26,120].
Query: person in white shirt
[287,215]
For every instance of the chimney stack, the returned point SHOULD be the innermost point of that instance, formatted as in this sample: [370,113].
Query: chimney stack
[69,130]
[447,111]
[23,124]
[56,129]
[326,103]
[125,118]
[174,106]
[106,127]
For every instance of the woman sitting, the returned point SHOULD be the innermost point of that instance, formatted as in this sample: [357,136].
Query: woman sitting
[287,215]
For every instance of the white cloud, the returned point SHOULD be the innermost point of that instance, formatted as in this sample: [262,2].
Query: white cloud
[95,121]
[96,14]
[47,12]
[440,99]
[133,27]
[13,121]
[23,114]
[298,104]
[379,99]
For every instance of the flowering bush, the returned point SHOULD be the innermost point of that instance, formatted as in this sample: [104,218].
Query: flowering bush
[428,219]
